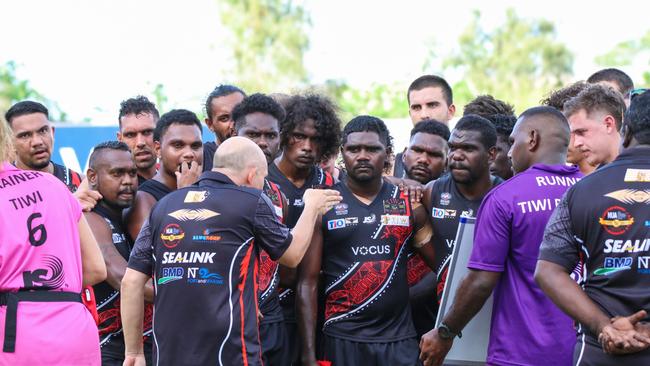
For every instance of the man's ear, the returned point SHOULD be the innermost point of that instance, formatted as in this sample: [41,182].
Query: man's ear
[119,136]
[250,176]
[492,154]
[91,175]
[610,124]
[451,111]
[533,140]
[208,122]
[156,147]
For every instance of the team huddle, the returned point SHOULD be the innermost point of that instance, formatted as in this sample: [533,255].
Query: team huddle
[296,239]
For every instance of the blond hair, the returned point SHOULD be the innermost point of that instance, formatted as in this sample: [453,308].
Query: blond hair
[6,145]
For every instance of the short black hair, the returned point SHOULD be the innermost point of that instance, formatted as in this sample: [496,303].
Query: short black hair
[432,127]
[106,145]
[257,103]
[180,116]
[220,91]
[319,109]
[503,124]
[474,122]
[428,81]
[137,105]
[637,118]
[623,80]
[544,111]
[370,124]
[23,108]
[486,106]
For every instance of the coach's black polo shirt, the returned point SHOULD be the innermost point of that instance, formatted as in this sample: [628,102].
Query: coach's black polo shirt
[601,231]
[201,245]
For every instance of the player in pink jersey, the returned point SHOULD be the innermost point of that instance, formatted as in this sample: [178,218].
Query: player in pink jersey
[47,253]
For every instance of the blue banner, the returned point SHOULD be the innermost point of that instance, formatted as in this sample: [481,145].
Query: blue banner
[74,143]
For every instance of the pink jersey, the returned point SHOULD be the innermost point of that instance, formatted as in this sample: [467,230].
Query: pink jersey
[39,248]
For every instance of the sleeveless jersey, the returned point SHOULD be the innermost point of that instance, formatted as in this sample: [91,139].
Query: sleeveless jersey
[364,267]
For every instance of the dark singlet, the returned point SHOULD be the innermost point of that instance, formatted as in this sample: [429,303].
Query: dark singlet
[269,278]
[448,206]
[155,188]
[108,298]
[318,178]
[364,267]
[69,177]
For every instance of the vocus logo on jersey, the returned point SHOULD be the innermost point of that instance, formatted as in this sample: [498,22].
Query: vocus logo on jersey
[186,214]
[188,257]
[371,249]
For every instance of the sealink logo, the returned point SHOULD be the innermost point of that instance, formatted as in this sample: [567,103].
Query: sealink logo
[613,265]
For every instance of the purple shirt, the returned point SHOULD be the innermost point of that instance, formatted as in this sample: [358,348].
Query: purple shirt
[527,328]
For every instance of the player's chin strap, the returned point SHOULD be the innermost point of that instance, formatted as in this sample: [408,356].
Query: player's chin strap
[11,300]
[422,236]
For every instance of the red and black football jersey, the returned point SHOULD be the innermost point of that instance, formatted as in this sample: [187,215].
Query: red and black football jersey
[364,267]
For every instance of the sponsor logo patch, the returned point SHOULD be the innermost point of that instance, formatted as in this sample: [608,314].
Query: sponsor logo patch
[637,175]
[208,235]
[616,220]
[631,196]
[203,276]
[195,196]
[172,235]
[613,265]
[188,257]
[200,214]
[395,206]
[370,219]
[341,209]
[171,274]
[395,220]
[335,224]
[626,246]
[467,213]
[442,213]
[445,198]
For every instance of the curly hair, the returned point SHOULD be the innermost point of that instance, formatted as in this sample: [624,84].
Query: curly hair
[503,124]
[474,122]
[371,124]
[319,109]
[256,103]
[220,91]
[180,116]
[432,127]
[486,106]
[137,105]
[557,98]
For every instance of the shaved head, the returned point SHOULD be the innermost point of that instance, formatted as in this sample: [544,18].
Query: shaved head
[541,135]
[238,158]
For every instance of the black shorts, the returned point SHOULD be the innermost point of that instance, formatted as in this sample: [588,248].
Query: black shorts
[294,344]
[589,353]
[274,342]
[342,352]
[424,304]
